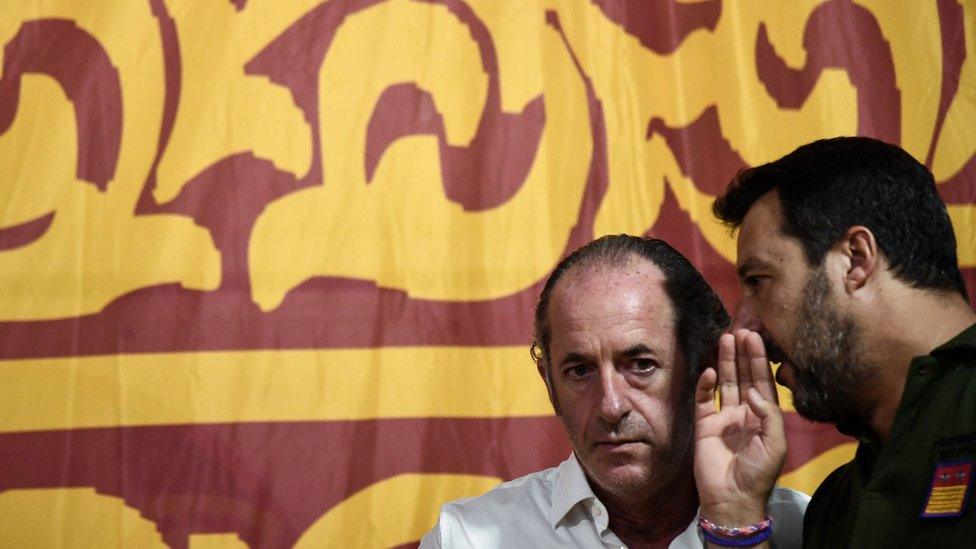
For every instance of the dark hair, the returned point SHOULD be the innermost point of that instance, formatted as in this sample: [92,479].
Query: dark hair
[828,186]
[699,314]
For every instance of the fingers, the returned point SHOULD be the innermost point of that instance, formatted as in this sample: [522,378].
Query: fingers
[759,370]
[742,366]
[705,394]
[771,422]
[727,377]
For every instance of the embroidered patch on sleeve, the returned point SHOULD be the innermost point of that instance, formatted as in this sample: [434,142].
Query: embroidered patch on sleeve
[950,489]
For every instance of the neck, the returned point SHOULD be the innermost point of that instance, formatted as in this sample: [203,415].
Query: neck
[656,516]
[911,323]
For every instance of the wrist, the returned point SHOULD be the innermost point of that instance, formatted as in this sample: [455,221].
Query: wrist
[748,535]
[734,514]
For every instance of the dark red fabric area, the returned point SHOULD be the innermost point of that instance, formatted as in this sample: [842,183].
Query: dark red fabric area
[491,169]
[839,34]
[807,440]
[953,55]
[711,172]
[25,233]
[80,65]
[675,226]
[661,25]
[323,312]
[268,482]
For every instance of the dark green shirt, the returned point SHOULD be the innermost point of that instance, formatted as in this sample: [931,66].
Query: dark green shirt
[880,498]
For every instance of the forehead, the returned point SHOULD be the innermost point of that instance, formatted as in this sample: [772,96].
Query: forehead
[611,302]
[761,239]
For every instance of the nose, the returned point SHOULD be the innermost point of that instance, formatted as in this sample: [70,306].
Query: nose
[614,404]
[745,316]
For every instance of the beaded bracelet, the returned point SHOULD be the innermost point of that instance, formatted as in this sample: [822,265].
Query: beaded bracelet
[738,536]
[754,539]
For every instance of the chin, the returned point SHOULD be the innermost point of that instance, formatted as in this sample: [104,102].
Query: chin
[633,477]
[625,480]
[639,471]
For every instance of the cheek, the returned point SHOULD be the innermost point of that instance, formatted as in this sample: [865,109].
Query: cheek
[659,412]
[574,413]
[775,312]
[674,403]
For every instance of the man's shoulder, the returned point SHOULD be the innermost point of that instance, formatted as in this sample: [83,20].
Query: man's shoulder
[532,490]
[512,508]
[839,480]
[788,497]
[829,507]
[787,508]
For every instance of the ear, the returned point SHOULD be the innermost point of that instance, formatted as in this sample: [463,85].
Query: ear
[546,374]
[540,366]
[861,250]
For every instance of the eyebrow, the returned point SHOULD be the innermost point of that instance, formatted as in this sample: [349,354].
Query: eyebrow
[637,350]
[751,263]
[632,351]
[571,358]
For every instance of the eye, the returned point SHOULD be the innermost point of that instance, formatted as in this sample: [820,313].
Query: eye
[643,365]
[577,372]
[754,282]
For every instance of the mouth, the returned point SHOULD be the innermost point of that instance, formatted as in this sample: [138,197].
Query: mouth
[775,354]
[615,445]
[784,374]
[773,351]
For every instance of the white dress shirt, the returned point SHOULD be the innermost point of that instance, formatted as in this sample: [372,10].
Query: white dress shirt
[557,508]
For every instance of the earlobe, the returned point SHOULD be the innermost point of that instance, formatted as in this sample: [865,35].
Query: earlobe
[861,248]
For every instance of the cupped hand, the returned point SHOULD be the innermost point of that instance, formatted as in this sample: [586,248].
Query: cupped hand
[740,445]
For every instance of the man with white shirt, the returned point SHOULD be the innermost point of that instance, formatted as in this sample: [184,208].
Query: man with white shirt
[623,328]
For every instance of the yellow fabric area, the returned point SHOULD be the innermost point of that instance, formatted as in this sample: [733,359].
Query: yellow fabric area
[218,387]
[397,229]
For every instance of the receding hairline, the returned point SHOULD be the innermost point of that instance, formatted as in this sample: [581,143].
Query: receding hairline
[611,263]
[608,263]
[657,278]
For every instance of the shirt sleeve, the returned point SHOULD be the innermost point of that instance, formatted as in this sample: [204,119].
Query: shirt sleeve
[787,507]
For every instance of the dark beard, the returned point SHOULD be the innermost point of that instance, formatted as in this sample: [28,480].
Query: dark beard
[826,359]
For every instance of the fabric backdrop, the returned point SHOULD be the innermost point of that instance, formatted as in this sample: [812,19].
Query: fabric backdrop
[267,268]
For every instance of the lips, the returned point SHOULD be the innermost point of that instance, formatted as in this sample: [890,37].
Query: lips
[784,374]
[614,445]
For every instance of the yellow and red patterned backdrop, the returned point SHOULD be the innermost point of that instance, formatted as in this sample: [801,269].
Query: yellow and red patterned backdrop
[267,268]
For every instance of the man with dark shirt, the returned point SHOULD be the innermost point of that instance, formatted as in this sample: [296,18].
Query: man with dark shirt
[847,260]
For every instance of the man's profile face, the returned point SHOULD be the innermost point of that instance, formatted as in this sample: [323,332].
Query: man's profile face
[793,308]
[618,376]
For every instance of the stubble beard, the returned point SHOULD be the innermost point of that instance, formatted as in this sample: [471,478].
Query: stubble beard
[827,359]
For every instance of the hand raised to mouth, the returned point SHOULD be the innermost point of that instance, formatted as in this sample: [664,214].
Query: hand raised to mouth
[740,445]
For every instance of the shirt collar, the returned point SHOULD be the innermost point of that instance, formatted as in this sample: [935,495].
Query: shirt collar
[964,340]
[571,488]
